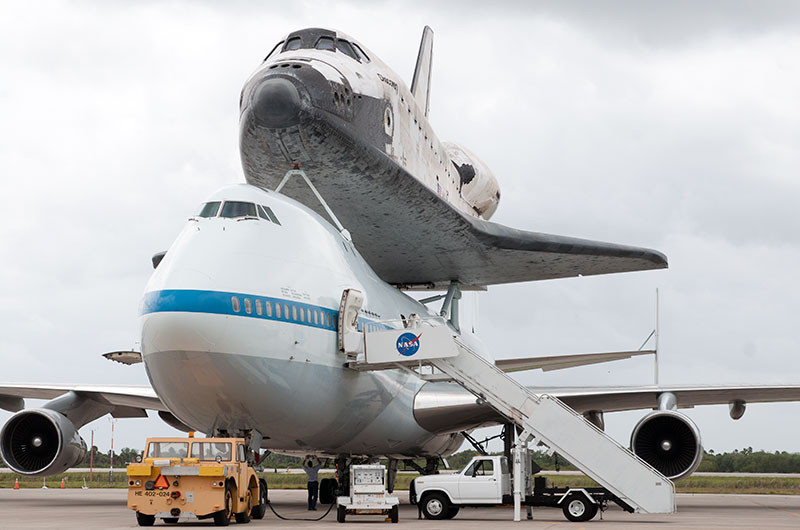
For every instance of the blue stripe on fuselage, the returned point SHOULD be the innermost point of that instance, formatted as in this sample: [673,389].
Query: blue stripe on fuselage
[222,303]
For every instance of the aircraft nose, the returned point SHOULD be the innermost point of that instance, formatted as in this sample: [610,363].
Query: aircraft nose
[276,103]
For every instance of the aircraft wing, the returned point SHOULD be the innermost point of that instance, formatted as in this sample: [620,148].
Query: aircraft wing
[127,401]
[559,362]
[615,399]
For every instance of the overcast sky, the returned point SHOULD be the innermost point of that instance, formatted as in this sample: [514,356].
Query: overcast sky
[670,125]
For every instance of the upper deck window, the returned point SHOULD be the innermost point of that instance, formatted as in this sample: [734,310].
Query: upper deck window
[209,209]
[238,209]
[293,44]
[325,43]
[344,47]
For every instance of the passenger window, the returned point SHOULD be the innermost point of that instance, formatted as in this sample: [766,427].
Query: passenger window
[308,314]
[271,215]
[328,319]
[270,54]
[316,317]
[258,307]
[325,43]
[248,306]
[344,47]
[302,315]
[268,307]
[209,209]
[235,302]
[238,209]
[286,311]
[277,310]
[293,44]
[294,313]
[360,52]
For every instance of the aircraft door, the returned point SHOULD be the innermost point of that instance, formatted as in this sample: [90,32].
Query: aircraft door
[352,301]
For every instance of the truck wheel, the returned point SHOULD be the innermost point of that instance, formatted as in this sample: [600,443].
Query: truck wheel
[223,517]
[394,513]
[452,512]
[341,512]
[244,516]
[578,509]
[259,511]
[435,506]
[145,520]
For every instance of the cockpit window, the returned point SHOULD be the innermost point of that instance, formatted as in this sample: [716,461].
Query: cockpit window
[270,54]
[293,44]
[238,209]
[344,47]
[361,52]
[209,209]
[325,43]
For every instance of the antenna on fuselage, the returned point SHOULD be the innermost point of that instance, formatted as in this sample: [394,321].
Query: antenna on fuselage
[296,171]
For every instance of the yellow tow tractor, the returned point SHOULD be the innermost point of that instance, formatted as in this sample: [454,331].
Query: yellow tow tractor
[200,477]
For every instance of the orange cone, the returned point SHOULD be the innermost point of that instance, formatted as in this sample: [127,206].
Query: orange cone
[16,483]
[62,484]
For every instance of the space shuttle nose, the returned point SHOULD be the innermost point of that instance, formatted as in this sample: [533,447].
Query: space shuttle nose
[276,103]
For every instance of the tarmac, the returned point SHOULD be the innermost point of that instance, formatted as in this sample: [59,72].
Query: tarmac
[106,509]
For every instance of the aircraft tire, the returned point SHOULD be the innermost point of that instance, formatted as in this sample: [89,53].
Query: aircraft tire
[327,491]
[394,513]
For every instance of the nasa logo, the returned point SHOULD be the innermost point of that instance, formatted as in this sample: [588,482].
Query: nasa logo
[408,344]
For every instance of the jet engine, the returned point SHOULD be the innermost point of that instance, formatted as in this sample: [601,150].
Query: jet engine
[40,442]
[668,441]
[477,184]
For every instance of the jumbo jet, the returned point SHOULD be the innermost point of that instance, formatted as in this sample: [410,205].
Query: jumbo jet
[242,320]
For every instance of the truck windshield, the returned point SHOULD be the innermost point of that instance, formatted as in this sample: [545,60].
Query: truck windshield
[168,449]
[211,450]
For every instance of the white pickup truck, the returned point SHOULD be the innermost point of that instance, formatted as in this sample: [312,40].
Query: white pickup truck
[485,481]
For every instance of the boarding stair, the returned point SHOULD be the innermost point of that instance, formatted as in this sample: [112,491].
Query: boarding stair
[544,419]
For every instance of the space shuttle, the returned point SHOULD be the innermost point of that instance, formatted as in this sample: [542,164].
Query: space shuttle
[418,208]
[242,321]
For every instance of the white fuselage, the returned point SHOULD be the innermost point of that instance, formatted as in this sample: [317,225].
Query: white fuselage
[239,332]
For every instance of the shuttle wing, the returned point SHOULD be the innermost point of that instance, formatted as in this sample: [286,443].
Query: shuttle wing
[128,401]
[413,238]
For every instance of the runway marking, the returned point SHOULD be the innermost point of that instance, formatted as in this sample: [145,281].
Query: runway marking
[773,508]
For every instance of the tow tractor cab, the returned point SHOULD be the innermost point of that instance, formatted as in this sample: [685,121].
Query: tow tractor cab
[486,481]
[196,477]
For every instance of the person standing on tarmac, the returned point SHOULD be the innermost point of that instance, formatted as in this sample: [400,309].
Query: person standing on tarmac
[312,473]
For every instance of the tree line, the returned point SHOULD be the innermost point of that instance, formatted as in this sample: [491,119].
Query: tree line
[739,461]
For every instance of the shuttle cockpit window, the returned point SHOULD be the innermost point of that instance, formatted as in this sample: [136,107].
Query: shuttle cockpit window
[168,450]
[238,209]
[325,43]
[274,50]
[360,52]
[293,44]
[344,47]
[209,209]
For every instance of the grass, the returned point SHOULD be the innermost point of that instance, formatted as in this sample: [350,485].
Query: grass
[695,484]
